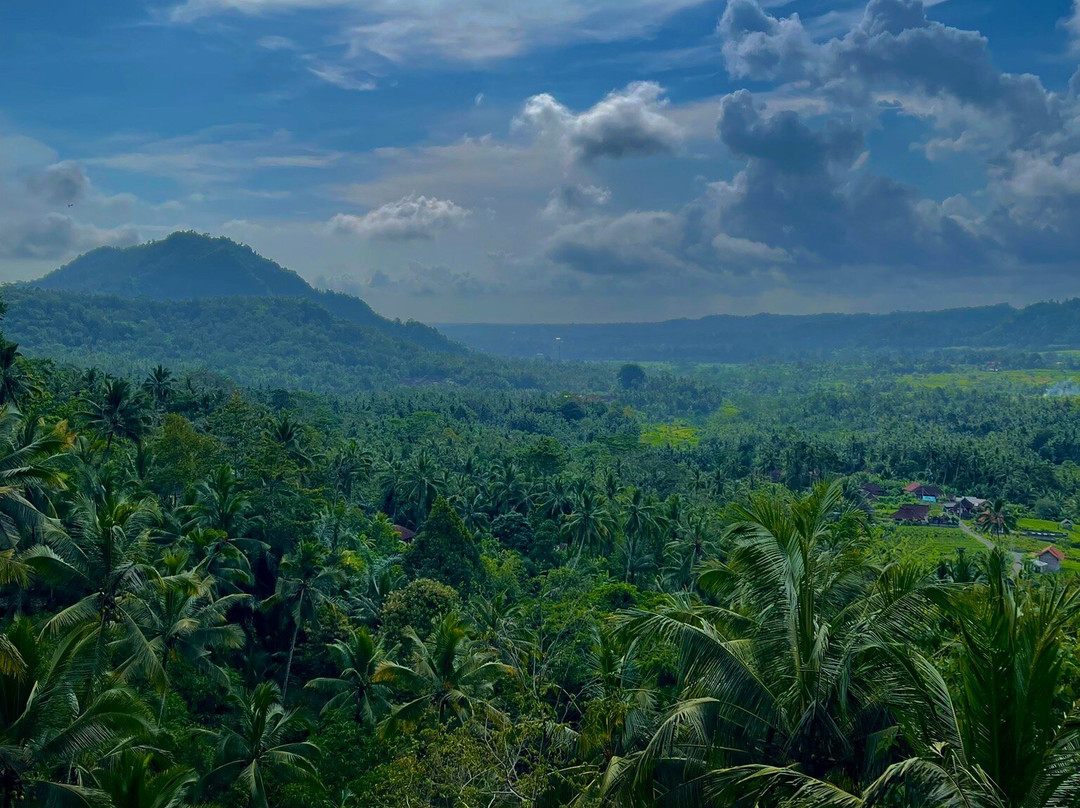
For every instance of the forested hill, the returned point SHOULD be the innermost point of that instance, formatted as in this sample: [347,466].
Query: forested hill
[188,266]
[258,341]
[727,338]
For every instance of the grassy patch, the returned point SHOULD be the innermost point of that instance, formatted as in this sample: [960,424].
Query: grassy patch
[678,435]
[929,543]
[1039,378]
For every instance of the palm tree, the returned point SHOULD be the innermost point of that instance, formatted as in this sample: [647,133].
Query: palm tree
[47,720]
[620,703]
[304,583]
[29,457]
[996,518]
[449,675]
[1000,737]
[160,385]
[186,622]
[106,560]
[780,676]
[222,503]
[354,688]
[120,412]
[15,382]
[589,526]
[134,779]
[262,744]
[422,481]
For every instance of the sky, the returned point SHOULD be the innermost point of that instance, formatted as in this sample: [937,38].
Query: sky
[560,160]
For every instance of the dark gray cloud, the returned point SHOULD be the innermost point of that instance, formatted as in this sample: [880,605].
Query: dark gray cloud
[56,235]
[59,184]
[570,200]
[803,191]
[636,243]
[627,123]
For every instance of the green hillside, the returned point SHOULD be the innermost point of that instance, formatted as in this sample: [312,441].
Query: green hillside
[188,266]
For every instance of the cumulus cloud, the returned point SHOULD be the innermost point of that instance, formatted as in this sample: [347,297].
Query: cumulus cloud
[410,218]
[636,243]
[62,183]
[803,190]
[895,46]
[627,123]
[55,235]
[757,45]
[569,200]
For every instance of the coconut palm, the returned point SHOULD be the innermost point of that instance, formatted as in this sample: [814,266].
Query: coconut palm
[449,675]
[999,737]
[29,469]
[781,675]
[305,581]
[48,722]
[15,383]
[186,622]
[120,411]
[422,481]
[354,688]
[996,518]
[621,703]
[105,559]
[160,385]
[136,778]
[590,525]
[263,744]
[222,503]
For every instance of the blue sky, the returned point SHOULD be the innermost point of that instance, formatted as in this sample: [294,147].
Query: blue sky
[560,160]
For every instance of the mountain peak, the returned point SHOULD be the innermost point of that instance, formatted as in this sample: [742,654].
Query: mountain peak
[182,265]
[187,265]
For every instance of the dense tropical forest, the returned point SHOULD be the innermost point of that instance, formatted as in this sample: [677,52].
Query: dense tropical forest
[638,587]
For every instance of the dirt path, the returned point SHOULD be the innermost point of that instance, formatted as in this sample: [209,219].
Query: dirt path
[989,545]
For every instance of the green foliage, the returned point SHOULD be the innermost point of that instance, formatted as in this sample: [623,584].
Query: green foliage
[445,550]
[419,606]
[721,618]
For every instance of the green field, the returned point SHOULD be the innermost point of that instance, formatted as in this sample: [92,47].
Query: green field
[989,379]
[928,543]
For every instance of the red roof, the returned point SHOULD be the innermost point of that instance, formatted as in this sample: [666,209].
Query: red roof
[1055,552]
[911,488]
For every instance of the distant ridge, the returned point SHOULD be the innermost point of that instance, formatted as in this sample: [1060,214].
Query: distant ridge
[734,339]
[189,266]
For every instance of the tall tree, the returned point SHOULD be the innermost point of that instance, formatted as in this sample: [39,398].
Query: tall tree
[305,581]
[263,744]
[354,688]
[779,674]
[120,411]
[445,550]
[449,675]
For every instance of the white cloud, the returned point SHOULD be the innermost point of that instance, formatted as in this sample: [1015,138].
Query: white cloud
[459,30]
[341,77]
[412,217]
[1071,24]
[627,123]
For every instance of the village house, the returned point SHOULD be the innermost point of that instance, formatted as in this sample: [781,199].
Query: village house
[965,507]
[404,533]
[1049,560]
[930,493]
[872,491]
[912,513]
